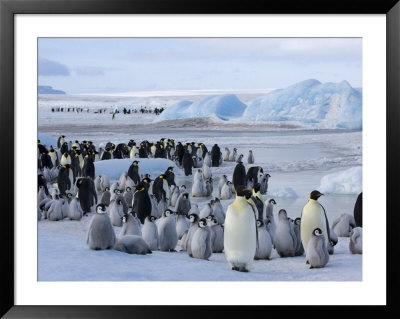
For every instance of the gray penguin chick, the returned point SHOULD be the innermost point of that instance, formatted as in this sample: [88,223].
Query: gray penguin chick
[101,233]
[132,244]
[317,252]
[201,241]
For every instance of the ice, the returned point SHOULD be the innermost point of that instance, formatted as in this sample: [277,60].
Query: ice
[222,106]
[344,182]
[331,105]
[45,89]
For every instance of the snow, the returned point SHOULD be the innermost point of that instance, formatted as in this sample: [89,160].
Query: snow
[113,168]
[344,182]
[222,106]
[296,158]
[334,105]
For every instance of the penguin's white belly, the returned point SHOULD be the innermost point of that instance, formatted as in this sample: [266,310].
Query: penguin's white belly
[312,217]
[226,193]
[240,236]
[198,189]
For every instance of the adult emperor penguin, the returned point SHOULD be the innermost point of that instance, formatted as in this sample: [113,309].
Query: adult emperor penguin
[86,193]
[88,169]
[250,157]
[201,241]
[358,210]
[264,247]
[150,233]
[317,252]
[240,233]
[313,216]
[239,175]
[285,239]
[134,172]
[161,189]
[252,176]
[65,179]
[101,233]
[141,201]
[187,163]
[53,156]
[130,225]
[355,244]
[167,235]
[259,201]
[170,176]
[215,155]
[60,141]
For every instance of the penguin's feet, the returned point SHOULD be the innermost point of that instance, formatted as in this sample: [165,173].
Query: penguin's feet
[172,250]
[243,270]
[235,268]
[307,262]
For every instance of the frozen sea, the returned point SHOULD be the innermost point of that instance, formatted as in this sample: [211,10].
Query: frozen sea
[296,156]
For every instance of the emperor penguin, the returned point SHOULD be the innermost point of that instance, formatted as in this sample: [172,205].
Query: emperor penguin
[222,181]
[161,189]
[54,212]
[299,247]
[227,190]
[240,158]
[60,141]
[106,197]
[75,211]
[194,224]
[97,184]
[357,212]
[226,154]
[114,190]
[343,225]
[65,179]
[313,216]
[206,170]
[285,239]
[264,247]
[150,233]
[162,206]
[207,159]
[206,211]
[355,244]
[41,194]
[104,182]
[101,233]
[174,195]
[264,183]
[183,204]
[132,244]
[141,201]
[128,196]
[130,225]
[215,156]
[116,212]
[167,235]
[269,211]
[170,176]
[250,157]
[86,193]
[88,169]
[154,207]
[252,176]
[217,236]
[208,187]
[134,172]
[198,188]
[201,241]
[232,156]
[317,252]
[53,156]
[187,163]
[218,210]
[122,181]
[240,233]
[259,201]
[194,209]
[239,175]
[182,224]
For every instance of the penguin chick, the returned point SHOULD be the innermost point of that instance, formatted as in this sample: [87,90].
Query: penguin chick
[217,236]
[206,211]
[106,197]
[227,190]
[221,183]
[193,219]
[355,244]
[132,244]
[130,225]
[182,225]
[299,247]
[285,239]
[183,204]
[116,212]
[264,247]
[75,211]
[101,233]
[343,225]
[317,253]
[201,241]
[167,235]
[218,210]
[54,212]
[250,157]
[150,233]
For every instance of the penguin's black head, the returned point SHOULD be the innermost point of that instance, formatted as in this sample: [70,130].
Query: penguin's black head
[247,193]
[240,191]
[272,201]
[317,232]
[202,223]
[168,212]
[186,195]
[256,187]
[216,200]
[101,208]
[193,218]
[128,189]
[210,217]
[260,223]
[297,221]
[315,195]
[106,189]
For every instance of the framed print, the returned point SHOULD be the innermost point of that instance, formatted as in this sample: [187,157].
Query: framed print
[195,114]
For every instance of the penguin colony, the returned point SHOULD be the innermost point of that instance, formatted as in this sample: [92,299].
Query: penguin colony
[155,214]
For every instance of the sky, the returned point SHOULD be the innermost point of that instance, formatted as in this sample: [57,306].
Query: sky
[118,65]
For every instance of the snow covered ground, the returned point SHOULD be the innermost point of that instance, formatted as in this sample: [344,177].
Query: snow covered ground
[298,158]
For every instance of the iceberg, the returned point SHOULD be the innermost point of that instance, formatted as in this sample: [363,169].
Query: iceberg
[333,105]
[222,106]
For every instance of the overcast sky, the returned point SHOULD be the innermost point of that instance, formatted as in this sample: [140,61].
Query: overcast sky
[113,65]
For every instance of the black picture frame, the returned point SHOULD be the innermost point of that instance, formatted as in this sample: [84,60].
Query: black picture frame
[8,10]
